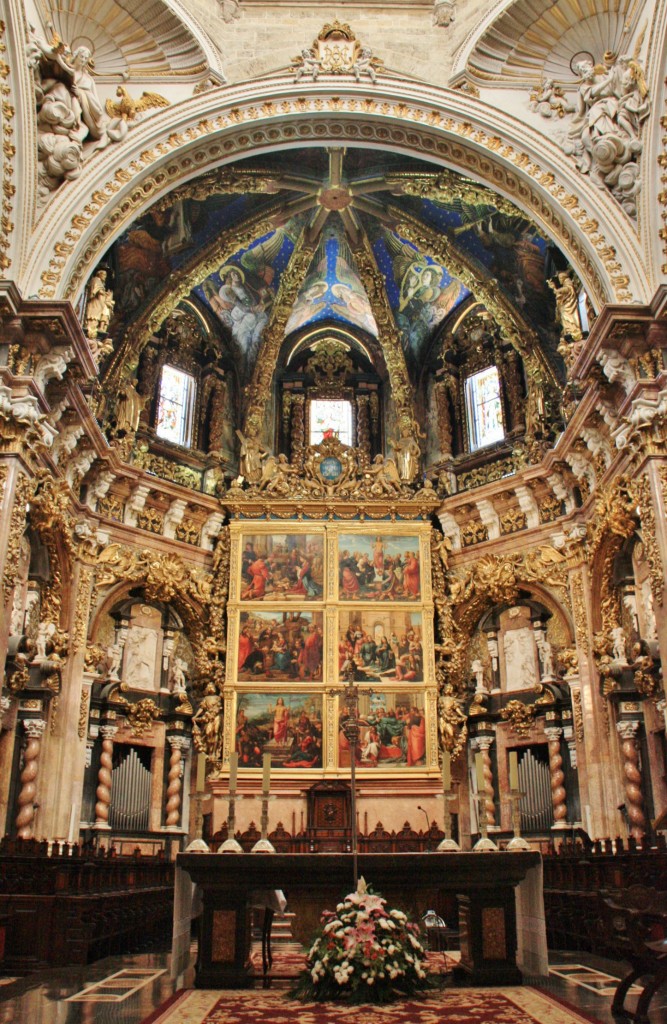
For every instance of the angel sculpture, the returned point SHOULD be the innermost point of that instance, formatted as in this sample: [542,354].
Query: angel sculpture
[128,109]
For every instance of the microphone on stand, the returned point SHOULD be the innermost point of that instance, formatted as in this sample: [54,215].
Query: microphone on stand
[428,824]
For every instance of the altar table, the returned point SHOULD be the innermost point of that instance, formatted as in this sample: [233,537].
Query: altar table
[484,884]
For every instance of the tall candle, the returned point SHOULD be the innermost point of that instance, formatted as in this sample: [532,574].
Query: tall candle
[446,770]
[266,774]
[233,768]
[479,768]
[514,770]
[201,773]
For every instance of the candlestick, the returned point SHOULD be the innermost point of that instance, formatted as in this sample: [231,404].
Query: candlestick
[517,842]
[231,844]
[479,769]
[266,774]
[514,770]
[446,770]
[201,773]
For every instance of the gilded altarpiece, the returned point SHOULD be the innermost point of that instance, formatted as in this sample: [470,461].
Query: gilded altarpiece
[306,602]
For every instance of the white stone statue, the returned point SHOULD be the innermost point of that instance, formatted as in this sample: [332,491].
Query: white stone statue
[309,65]
[548,100]
[545,652]
[604,133]
[619,643]
[363,65]
[177,675]
[70,114]
[477,669]
[113,660]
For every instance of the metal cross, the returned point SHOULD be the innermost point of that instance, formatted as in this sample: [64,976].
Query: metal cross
[350,694]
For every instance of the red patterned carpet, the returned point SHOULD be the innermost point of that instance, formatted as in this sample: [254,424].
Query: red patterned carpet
[463,1006]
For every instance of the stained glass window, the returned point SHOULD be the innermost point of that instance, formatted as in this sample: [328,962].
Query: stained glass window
[176,402]
[483,408]
[328,414]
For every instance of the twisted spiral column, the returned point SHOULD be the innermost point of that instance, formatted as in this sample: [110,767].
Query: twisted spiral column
[558,794]
[103,792]
[34,728]
[483,744]
[179,745]
[634,801]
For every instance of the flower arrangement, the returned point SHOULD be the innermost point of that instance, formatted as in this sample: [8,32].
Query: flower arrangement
[364,952]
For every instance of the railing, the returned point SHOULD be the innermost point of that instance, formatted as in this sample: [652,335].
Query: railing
[580,870]
[75,905]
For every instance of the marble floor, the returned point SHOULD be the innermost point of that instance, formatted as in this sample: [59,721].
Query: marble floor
[124,990]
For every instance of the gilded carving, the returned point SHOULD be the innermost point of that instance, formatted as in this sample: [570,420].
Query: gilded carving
[17,524]
[642,493]
[140,716]
[521,717]
[151,519]
[188,531]
[81,609]
[7,115]
[166,468]
[578,715]
[473,532]
[82,724]
[512,521]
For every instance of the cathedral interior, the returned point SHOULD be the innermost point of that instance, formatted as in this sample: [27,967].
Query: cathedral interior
[333,425]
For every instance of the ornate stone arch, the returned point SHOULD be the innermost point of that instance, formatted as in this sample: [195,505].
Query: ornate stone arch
[448,129]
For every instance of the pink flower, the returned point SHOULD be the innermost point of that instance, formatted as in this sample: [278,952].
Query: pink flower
[364,932]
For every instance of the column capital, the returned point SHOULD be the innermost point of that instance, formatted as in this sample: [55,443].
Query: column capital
[553,733]
[181,743]
[481,743]
[34,727]
[108,731]
[627,730]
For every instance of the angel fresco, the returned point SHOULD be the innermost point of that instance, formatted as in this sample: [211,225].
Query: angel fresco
[242,293]
[426,293]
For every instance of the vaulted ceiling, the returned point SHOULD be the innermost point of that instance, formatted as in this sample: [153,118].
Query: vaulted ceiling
[438,243]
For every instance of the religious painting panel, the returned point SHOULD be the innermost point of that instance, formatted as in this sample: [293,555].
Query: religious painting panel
[286,725]
[392,731]
[284,646]
[281,566]
[385,644]
[379,567]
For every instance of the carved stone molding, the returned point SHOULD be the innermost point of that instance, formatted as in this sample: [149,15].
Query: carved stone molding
[432,137]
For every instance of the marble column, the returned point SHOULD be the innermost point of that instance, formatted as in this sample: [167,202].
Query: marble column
[103,792]
[483,744]
[634,801]
[558,794]
[179,747]
[34,728]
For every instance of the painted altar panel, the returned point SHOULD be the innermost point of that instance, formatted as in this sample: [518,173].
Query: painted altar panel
[379,567]
[291,632]
[287,725]
[385,643]
[279,645]
[392,732]
[280,566]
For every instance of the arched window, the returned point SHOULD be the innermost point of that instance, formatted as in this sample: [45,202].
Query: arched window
[330,414]
[175,406]
[484,408]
